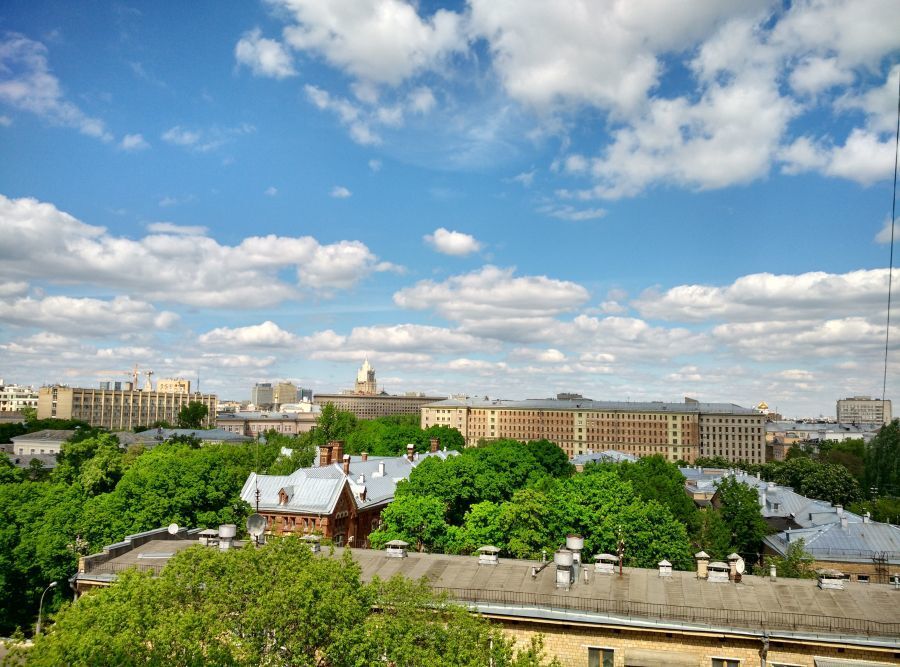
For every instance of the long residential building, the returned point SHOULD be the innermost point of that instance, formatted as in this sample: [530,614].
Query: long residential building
[863,410]
[118,410]
[677,431]
[366,406]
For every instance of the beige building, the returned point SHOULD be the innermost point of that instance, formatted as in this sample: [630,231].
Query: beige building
[379,405]
[677,431]
[284,393]
[118,410]
[254,423]
[365,379]
[173,386]
[863,410]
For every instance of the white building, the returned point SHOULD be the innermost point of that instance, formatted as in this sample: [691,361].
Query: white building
[14,397]
[863,410]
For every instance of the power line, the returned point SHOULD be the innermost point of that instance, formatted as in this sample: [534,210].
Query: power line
[887,330]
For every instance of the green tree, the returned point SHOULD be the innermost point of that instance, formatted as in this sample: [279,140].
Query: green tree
[796,563]
[192,415]
[712,534]
[817,479]
[482,525]
[301,448]
[418,520]
[9,473]
[739,507]
[653,478]
[333,424]
[882,466]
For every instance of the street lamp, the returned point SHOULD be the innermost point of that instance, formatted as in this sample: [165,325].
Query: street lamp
[41,607]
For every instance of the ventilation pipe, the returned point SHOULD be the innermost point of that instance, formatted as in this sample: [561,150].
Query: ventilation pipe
[346,464]
[410,452]
[364,456]
[227,531]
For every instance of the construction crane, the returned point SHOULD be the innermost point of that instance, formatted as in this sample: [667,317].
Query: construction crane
[134,374]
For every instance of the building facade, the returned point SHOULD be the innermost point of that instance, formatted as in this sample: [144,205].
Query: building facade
[118,410]
[262,396]
[14,397]
[863,410]
[254,423]
[365,380]
[173,386]
[677,431]
[284,392]
[378,405]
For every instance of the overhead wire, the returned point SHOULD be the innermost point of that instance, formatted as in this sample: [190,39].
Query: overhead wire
[893,221]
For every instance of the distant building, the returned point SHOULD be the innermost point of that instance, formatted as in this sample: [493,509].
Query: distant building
[14,397]
[677,431]
[262,396]
[340,499]
[364,402]
[173,386]
[365,380]
[863,410]
[252,423]
[118,410]
[781,436]
[284,392]
[212,436]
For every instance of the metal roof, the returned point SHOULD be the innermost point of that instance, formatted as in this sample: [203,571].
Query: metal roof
[47,435]
[607,456]
[207,435]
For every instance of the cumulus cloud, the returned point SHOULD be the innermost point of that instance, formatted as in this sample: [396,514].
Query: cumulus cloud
[94,317]
[133,142]
[172,228]
[886,234]
[203,140]
[44,242]
[267,334]
[340,192]
[264,57]
[452,242]
[27,84]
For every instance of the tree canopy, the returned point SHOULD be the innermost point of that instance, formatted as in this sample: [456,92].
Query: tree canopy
[192,415]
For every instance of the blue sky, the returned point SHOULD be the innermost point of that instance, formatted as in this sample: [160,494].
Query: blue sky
[639,199]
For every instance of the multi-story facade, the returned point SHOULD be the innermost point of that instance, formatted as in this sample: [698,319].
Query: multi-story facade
[14,397]
[379,405]
[173,386]
[262,396]
[254,423]
[677,431]
[863,410]
[118,410]
[284,392]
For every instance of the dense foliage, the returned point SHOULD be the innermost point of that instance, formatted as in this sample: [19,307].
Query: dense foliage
[192,415]
[275,605]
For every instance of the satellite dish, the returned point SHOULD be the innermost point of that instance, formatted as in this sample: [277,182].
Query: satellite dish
[739,566]
[173,529]
[256,524]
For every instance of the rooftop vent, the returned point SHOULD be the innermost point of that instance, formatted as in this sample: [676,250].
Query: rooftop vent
[564,559]
[209,537]
[227,531]
[575,543]
[702,559]
[665,568]
[717,572]
[396,549]
[313,542]
[605,563]
[831,580]
[488,555]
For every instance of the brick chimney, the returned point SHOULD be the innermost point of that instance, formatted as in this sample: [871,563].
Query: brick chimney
[346,464]
[337,450]
[702,564]
[435,444]
[325,455]
[365,456]
[410,452]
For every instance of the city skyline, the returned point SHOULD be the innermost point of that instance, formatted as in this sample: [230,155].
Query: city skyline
[516,201]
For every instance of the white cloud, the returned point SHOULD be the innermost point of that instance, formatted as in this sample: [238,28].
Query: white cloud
[526,178]
[398,338]
[421,100]
[270,191]
[47,244]
[375,165]
[764,296]
[571,213]
[5,121]
[204,140]
[340,192]
[27,84]
[93,317]
[383,42]
[884,236]
[452,242]
[133,142]
[547,356]
[264,57]
[172,228]
[267,334]
[815,74]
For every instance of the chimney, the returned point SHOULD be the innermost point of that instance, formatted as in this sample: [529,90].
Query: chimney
[410,452]
[435,444]
[346,464]
[381,468]
[324,456]
[337,452]
[365,456]
[733,558]
[773,573]
[867,517]
[839,509]
[362,494]
[787,535]
[702,564]
[665,568]
[843,523]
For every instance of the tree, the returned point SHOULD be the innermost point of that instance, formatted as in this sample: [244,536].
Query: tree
[418,520]
[653,478]
[333,424]
[739,507]
[816,479]
[192,415]
[796,563]
[712,534]
[301,448]
[883,461]
[482,525]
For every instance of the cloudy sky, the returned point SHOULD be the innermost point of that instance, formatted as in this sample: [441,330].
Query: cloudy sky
[639,199]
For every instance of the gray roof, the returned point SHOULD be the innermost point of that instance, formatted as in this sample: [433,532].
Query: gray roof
[316,490]
[607,456]
[858,541]
[47,435]
[207,435]
[260,415]
[586,404]
[48,461]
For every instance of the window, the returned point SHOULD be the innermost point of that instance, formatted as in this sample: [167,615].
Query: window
[600,657]
[862,578]
[725,662]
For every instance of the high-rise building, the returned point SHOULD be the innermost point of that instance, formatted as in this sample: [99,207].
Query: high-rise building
[365,380]
[262,395]
[677,431]
[118,410]
[285,392]
[863,410]
[173,386]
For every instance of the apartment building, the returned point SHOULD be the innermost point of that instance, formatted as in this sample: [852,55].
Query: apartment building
[118,410]
[863,410]
[677,431]
[14,397]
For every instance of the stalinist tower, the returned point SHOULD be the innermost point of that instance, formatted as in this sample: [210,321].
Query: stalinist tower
[365,379]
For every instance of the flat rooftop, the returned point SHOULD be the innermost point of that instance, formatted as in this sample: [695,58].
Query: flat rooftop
[600,406]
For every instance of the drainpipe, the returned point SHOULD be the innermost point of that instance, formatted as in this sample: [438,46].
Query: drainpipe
[764,650]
